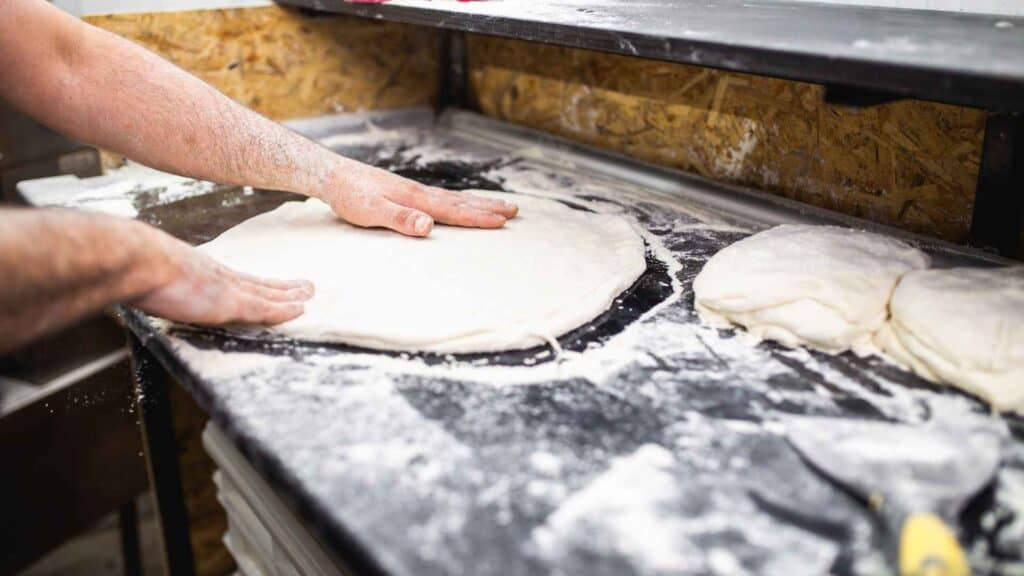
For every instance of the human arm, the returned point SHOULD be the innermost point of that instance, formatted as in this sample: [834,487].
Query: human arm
[61,265]
[102,89]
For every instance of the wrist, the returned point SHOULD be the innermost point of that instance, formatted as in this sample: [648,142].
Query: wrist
[154,264]
[338,178]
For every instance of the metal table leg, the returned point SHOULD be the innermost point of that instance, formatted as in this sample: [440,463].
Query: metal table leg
[151,382]
[128,521]
[998,219]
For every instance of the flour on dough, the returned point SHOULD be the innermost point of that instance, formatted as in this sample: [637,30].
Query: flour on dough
[550,270]
[963,326]
[821,286]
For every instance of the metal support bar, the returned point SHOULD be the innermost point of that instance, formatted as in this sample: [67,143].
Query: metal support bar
[162,458]
[857,96]
[452,91]
[998,219]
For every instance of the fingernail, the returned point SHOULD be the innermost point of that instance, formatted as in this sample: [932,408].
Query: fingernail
[422,224]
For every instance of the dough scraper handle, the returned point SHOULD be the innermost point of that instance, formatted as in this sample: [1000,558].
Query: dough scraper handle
[928,547]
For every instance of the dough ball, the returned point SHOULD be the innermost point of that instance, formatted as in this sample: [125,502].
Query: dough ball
[963,326]
[820,286]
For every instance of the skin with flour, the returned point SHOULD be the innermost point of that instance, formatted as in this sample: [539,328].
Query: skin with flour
[102,89]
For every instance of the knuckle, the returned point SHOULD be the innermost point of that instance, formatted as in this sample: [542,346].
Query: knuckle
[405,217]
[263,309]
[415,189]
[231,311]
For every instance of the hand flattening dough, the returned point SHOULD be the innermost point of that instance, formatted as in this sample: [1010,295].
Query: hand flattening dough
[964,326]
[547,272]
[821,286]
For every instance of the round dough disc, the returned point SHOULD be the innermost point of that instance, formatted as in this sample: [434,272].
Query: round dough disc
[821,286]
[550,270]
[964,326]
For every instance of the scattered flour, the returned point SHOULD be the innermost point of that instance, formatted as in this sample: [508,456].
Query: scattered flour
[117,192]
[626,511]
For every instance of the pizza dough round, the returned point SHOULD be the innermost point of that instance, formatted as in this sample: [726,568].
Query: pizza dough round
[821,286]
[963,326]
[550,270]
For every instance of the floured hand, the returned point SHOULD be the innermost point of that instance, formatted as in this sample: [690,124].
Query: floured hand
[205,292]
[371,197]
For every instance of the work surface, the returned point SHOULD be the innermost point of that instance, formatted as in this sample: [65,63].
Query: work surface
[652,445]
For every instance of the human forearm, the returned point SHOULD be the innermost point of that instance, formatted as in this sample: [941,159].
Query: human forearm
[59,266]
[105,90]
[102,89]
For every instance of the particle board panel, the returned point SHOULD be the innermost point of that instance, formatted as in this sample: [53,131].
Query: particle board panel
[910,163]
[286,64]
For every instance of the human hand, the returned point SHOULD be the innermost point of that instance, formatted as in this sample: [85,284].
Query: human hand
[371,197]
[203,291]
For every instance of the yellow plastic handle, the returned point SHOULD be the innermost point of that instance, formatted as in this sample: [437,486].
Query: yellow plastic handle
[929,548]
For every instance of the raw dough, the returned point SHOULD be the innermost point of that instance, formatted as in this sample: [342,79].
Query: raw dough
[821,286]
[550,270]
[964,326]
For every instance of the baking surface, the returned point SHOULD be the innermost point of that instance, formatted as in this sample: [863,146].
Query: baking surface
[653,446]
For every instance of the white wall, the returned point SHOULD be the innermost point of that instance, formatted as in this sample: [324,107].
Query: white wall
[94,7]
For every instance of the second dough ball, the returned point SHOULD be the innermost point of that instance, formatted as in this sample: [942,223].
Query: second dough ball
[964,326]
[821,286]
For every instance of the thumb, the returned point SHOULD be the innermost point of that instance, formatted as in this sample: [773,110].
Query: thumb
[403,219]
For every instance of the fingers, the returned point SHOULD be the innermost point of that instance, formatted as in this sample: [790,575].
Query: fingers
[378,211]
[252,309]
[402,219]
[280,290]
[204,291]
[374,197]
[458,208]
[463,215]
[304,286]
[263,300]
[254,302]
[506,209]
[299,293]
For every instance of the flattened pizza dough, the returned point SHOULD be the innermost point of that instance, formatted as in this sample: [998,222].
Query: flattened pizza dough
[820,286]
[550,270]
[963,326]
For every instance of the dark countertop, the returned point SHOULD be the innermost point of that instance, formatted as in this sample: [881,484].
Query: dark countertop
[967,59]
[654,449]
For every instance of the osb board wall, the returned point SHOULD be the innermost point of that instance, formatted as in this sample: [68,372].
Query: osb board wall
[911,163]
[285,64]
[207,520]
